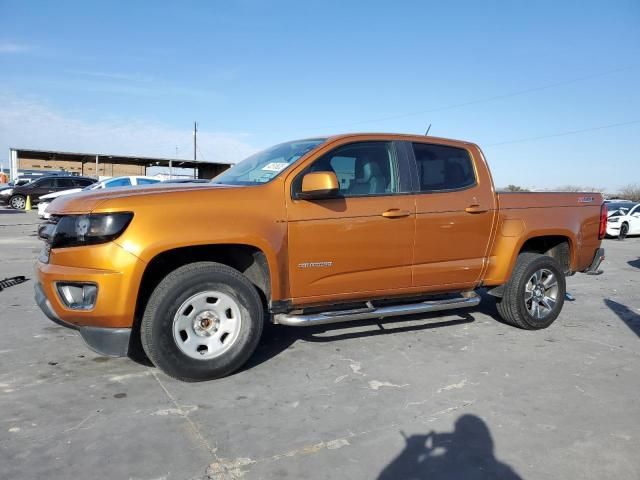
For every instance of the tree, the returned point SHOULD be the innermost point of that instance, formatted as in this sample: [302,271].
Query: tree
[516,188]
[630,192]
[577,188]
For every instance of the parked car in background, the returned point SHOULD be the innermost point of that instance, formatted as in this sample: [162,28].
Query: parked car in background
[127,181]
[186,180]
[624,221]
[43,186]
[7,190]
[616,205]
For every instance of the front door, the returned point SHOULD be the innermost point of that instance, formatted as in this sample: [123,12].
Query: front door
[455,210]
[634,221]
[360,241]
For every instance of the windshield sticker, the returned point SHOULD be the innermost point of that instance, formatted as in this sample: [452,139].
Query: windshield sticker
[275,166]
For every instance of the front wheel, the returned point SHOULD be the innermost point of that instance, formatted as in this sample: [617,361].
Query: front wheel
[624,231]
[203,321]
[18,202]
[534,295]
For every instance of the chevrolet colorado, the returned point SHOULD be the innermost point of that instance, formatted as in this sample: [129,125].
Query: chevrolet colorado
[314,231]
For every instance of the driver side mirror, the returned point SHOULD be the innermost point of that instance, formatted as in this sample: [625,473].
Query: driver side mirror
[318,185]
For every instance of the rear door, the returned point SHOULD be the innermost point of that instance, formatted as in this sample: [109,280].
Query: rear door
[455,208]
[361,241]
[42,187]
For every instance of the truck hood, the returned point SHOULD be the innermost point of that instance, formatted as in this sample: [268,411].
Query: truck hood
[128,197]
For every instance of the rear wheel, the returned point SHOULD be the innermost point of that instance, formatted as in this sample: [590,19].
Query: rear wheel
[18,202]
[203,321]
[624,231]
[534,295]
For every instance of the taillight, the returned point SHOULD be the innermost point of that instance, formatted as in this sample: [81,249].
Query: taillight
[603,222]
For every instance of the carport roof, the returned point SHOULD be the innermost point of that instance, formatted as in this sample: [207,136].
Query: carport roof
[112,158]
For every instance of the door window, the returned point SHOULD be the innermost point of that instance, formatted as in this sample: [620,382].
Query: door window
[64,183]
[82,182]
[118,182]
[146,181]
[45,183]
[443,168]
[365,168]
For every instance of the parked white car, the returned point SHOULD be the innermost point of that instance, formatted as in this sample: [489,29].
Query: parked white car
[128,181]
[624,221]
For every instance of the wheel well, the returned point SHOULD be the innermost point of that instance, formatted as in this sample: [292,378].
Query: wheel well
[248,260]
[557,247]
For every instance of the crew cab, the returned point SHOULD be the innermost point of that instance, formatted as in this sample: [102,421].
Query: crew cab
[314,231]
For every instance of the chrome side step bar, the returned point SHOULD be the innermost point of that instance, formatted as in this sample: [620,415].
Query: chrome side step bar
[469,299]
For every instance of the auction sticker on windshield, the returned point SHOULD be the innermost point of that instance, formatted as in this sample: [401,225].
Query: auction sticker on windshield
[275,166]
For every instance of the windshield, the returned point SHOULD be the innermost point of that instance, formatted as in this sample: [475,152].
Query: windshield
[266,165]
[621,211]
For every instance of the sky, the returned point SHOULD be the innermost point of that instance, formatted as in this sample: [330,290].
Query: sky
[549,90]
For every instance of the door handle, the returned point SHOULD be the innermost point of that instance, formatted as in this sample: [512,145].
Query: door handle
[475,208]
[396,213]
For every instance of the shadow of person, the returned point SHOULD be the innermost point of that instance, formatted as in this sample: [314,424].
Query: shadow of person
[624,313]
[634,263]
[466,453]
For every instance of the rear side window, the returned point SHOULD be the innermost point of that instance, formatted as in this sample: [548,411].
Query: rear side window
[64,183]
[146,181]
[82,182]
[442,168]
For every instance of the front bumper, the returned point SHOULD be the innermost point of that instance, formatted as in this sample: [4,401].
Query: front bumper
[42,206]
[112,342]
[613,230]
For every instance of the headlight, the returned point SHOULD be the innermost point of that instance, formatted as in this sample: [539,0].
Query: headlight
[76,230]
[613,220]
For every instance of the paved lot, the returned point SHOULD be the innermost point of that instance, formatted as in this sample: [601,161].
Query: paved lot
[458,395]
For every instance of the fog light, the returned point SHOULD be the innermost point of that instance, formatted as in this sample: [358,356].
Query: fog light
[78,296]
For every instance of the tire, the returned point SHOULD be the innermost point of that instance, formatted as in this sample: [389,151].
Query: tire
[18,202]
[203,321]
[525,306]
[624,231]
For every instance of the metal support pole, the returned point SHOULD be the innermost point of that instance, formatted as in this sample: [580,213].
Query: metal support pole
[97,175]
[13,167]
[195,149]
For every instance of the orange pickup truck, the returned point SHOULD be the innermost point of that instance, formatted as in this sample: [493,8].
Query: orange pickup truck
[314,231]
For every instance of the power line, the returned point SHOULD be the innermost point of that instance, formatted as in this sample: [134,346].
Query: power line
[562,134]
[484,100]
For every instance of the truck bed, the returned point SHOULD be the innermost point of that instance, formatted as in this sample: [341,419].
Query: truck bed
[526,215]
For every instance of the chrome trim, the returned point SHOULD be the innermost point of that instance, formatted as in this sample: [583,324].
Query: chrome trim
[470,299]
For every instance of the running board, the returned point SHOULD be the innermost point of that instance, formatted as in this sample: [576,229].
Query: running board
[470,299]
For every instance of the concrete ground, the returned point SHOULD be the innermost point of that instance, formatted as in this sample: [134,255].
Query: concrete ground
[458,395]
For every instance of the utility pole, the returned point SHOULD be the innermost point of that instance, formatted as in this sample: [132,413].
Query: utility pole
[195,149]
